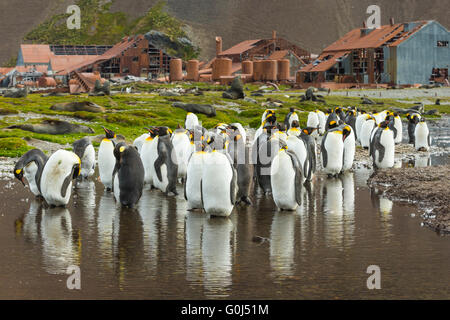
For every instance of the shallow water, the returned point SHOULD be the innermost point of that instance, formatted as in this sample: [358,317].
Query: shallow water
[162,251]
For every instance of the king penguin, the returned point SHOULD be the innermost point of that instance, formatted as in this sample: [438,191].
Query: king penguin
[106,160]
[165,169]
[240,154]
[413,120]
[297,146]
[219,184]
[148,156]
[192,192]
[30,166]
[310,144]
[290,118]
[286,179]
[349,147]
[56,180]
[127,175]
[422,139]
[399,127]
[382,146]
[366,131]
[191,121]
[182,146]
[332,150]
[84,149]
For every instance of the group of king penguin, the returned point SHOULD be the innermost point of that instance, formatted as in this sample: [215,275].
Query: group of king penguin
[223,167]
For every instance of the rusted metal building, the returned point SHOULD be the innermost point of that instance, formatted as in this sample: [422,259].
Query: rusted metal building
[397,54]
[274,48]
[135,56]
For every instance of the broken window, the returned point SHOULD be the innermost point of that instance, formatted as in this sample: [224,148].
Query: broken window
[442,43]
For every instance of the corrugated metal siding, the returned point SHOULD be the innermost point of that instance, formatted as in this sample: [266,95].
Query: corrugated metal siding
[417,56]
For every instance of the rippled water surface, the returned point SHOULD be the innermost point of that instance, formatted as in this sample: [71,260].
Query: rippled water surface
[160,250]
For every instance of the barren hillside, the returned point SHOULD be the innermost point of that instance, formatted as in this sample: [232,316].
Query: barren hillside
[311,24]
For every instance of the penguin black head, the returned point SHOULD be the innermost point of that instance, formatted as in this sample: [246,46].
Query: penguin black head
[152,131]
[119,149]
[384,124]
[109,133]
[295,124]
[18,173]
[346,132]
[164,131]
[281,127]
[333,124]
[291,109]
[308,130]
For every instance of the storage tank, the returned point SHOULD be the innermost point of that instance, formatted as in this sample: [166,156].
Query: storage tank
[192,70]
[283,69]
[257,70]
[176,70]
[247,67]
[221,67]
[270,70]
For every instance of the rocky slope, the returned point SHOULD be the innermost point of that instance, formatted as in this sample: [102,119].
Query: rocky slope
[311,24]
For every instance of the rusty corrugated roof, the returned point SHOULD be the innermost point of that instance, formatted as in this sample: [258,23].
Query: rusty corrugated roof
[277,55]
[375,38]
[36,53]
[116,50]
[4,71]
[324,65]
[240,47]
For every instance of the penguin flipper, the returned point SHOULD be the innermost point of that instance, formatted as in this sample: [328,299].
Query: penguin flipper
[158,163]
[324,152]
[184,187]
[298,177]
[233,186]
[66,183]
[429,140]
[201,193]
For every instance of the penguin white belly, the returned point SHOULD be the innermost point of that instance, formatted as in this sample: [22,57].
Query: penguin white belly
[148,159]
[193,178]
[366,131]
[313,120]
[258,132]
[88,162]
[29,172]
[191,121]
[292,118]
[139,141]
[421,133]
[282,179]
[161,184]
[387,140]
[349,151]
[182,147]
[58,167]
[398,125]
[293,132]
[106,162]
[358,125]
[216,184]
[322,122]
[335,150]
[298,147]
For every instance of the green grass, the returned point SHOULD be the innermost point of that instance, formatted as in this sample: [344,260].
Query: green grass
[13,147]
[127,114]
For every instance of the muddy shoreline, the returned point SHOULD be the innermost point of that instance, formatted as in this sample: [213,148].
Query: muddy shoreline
[427,187]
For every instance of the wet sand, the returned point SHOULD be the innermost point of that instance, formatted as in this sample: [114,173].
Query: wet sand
[426,187]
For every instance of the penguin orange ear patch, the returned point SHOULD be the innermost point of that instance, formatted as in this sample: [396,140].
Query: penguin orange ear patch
[122,149]
[18,171]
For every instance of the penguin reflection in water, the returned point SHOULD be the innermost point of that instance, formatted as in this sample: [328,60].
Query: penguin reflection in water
[30,166]
[127,175]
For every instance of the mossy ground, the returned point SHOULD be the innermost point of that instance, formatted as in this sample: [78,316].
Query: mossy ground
[127,114]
